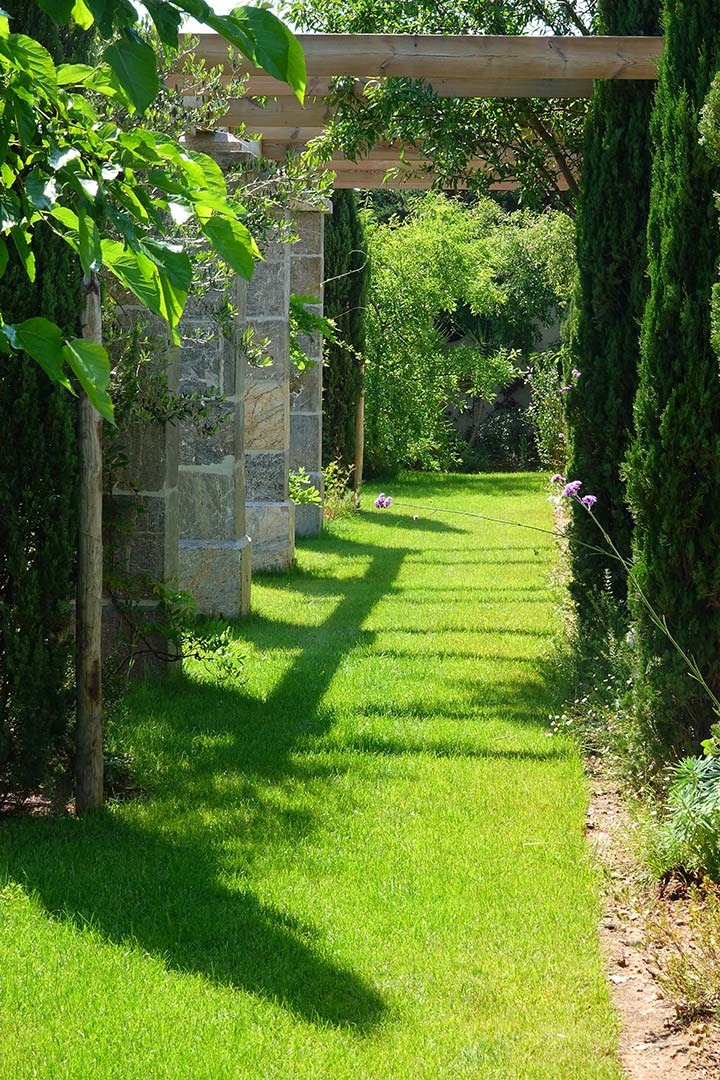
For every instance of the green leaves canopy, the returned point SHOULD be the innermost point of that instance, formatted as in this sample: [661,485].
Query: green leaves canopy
[62,163]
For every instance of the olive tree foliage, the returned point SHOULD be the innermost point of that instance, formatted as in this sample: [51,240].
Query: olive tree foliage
[109,192]
[457,297]
[538,142]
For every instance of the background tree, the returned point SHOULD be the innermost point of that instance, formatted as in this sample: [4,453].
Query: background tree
[457,294]
[38,497]
[535,140]
[609,303]
[346,283]
[674,466]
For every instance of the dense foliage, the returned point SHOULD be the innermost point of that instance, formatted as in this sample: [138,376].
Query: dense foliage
[539,141]
[37,494]
[610,300]
[456,295]
[674,464]
[346,283]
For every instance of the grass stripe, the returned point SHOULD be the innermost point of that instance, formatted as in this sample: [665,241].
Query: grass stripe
[365,862]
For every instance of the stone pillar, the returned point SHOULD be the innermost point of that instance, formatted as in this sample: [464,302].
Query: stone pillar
[270,514]
[306,279]
[214,548]
[141,530]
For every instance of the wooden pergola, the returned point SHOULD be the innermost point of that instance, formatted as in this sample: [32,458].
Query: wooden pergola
[457,67]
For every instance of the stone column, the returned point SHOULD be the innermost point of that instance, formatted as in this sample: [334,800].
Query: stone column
[270,514]
[306,279]
[214,548]
[141,529]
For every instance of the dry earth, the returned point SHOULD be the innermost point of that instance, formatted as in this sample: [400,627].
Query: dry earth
[654,1044]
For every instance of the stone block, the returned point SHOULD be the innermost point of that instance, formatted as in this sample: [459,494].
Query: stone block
[309,229]
[135,535]
[306,389]
[271,527]
[305,441]
[217,575]
[306,276]
[308,520]
[266,476]
[266,415]
[269,291]
[200,448]
[145,447]
[207,504]
[276,332]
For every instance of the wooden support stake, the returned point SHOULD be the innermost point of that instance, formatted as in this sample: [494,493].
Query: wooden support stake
[359,443]
[88,727]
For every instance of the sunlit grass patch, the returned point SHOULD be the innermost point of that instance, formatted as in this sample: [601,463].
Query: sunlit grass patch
[364,862]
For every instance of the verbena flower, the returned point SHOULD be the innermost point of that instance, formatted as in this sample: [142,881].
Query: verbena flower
[575,373]
[383,501]
[570,490]
[556,478]
[564,389]
[588,501]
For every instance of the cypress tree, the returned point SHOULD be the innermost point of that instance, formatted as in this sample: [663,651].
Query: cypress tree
[674,464]
[609,303]
[346,275]
[37,496]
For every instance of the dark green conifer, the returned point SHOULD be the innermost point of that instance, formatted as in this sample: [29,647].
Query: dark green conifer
[609,304]
[346,276]
[674,463]
[37,501]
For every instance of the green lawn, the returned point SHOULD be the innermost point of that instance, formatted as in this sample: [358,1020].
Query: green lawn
[366,862]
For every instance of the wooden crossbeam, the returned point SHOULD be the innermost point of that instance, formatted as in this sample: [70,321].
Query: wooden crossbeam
[474,57]
[317,86]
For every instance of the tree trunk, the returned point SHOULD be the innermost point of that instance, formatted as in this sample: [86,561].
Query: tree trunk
[359,445]
[88,730]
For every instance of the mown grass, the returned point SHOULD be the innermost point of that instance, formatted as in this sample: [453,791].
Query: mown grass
[364,862]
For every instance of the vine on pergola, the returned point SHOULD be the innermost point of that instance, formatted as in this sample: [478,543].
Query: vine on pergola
[535,142]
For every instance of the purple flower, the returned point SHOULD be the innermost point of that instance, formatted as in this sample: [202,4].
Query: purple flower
[388,501]
[588,501]
[564,389]
[556,478]
[575,373]
[383,501]
[561,436]
[570,490]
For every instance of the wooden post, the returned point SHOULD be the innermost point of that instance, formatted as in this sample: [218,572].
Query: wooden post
[359,444]
[88,728]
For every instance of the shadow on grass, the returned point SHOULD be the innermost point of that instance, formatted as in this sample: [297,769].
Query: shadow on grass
[156,879]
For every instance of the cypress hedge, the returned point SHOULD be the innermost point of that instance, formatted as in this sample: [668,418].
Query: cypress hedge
[37,496]
[609,303]
[674,463]
[346,275]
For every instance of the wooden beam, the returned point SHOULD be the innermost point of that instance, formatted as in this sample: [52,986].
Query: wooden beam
[285,113]
[317,86]
[475,57]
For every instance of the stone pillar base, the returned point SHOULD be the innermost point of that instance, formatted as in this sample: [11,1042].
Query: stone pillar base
[217,574]
[271,525]
[309,519]
[130,647]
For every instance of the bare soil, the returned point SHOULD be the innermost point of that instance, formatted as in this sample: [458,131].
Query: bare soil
[654,1044]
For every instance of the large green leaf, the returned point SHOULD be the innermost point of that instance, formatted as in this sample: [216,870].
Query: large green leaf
[172,261]
[42,340]
[138,273]
[233,243]
[167,21]
[135,65]
[27,55]
[91,366]
[21,239]
[90,246]
[277,50]
[82,15]
[111,14]
[59,10]
[41,190]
